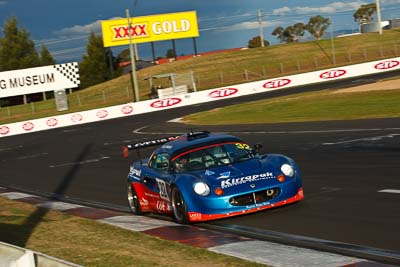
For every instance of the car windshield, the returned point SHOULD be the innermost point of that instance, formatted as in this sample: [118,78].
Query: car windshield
[212,156]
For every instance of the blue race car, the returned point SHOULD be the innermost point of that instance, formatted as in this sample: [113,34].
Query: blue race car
[204,176]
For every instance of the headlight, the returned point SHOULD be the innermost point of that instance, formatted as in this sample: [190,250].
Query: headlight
[287,170]
[201,189]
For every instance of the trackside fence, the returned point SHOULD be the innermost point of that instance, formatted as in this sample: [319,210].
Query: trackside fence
[214,76]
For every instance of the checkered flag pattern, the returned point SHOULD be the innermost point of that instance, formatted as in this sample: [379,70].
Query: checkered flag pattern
[70,71]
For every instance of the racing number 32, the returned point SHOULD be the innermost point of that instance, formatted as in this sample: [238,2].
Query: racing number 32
[243,146]
[162,185]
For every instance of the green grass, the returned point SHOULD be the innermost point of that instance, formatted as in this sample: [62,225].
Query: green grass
[315,106]
[223,69]
[90,243]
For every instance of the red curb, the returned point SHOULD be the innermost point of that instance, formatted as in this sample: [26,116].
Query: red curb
[92,213]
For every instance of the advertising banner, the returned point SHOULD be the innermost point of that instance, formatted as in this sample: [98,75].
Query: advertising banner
[40,79]
[150,28]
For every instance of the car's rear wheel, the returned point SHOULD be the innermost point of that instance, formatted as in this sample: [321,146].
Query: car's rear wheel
[179,207]
[133,200]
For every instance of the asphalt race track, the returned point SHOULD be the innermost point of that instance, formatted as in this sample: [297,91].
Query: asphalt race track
[350,169]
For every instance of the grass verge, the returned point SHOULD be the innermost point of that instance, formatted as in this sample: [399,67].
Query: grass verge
[315,106]
[90,243]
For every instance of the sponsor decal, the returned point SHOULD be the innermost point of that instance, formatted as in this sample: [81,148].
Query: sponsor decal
[174,26]
[150,28]
[153,142]
[101,114]
[135,173]
[28,126]
[209,173]
[144,202]
[52,122]
[195,216]
[385,65]
[167,102]
[136,30]
[331,74]
[4,130]
[246,179]
[76,118]
[223,92]
[224,175]
[277,83]
[127,109]
[152,195]
[163,206]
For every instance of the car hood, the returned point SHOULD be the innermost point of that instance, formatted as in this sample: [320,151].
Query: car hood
[240,176]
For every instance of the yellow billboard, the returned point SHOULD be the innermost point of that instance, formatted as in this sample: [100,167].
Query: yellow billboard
[150,28]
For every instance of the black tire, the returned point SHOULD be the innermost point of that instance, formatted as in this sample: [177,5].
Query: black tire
[133,200]
[179,209]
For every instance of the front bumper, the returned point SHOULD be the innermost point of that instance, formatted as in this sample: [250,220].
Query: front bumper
[200,217]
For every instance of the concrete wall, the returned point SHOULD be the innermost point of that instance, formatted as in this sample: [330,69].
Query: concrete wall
[13,256]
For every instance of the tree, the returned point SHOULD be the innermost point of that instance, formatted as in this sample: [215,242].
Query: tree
[17,50]
[279,33]
[364,13]
[290,34]
[45,57]
[124,55]
[317,26]
[256,42]
[170,53]
[298,31]
[94,65]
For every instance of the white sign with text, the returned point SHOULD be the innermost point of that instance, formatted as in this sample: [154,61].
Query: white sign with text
[40,79]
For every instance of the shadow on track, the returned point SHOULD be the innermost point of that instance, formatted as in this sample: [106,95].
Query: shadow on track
[19,234]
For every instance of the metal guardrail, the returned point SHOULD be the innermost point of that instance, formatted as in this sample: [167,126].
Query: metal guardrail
[11,256]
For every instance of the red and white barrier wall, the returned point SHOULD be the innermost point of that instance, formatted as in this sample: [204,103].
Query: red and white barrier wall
[199,97]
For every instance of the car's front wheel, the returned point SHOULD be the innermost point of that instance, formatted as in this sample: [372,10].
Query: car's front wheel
[133,200]
[179,207]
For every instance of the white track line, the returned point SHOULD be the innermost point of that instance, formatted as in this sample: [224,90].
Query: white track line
[11,148]
[33,156]
[374,138]
[79,162]
[139,131]
[393,191]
